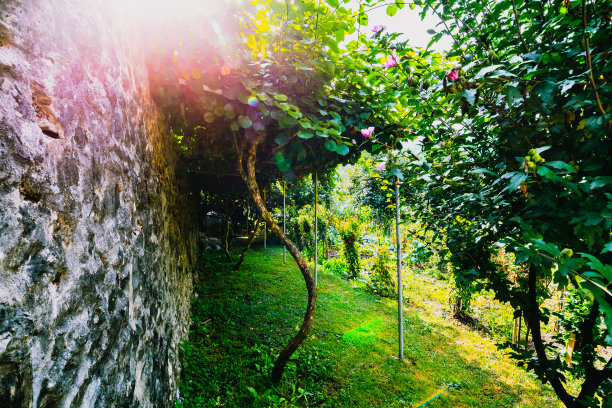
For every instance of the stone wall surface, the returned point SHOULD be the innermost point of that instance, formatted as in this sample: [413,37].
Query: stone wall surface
[96,243]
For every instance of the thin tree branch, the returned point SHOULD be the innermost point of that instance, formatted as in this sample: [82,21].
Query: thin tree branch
[518,27]
[587,46]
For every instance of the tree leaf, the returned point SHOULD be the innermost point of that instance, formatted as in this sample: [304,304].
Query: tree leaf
[342,149]
[294,114]
[363,19]
[391,10]
[546,172]
[330,145]
[516,180]
[513,95]
[280,97]
[485,71]
[282,139]
[561,165]
[304,134]
[469,95]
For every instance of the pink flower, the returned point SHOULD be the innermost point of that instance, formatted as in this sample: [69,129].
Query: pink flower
[410,130]
[367,132]
[377,29]
[391,62]
[453,76]
[381,166]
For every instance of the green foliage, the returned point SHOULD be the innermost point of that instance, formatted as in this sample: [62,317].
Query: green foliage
[380,268]
[350,233]
[266,72]
[576,311]
[368,187]
[506,140]
[336,266]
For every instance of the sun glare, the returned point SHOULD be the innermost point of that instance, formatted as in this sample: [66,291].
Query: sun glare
[167,16]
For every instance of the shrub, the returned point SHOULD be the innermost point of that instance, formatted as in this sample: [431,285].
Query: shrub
[350,233]
[336,266]
[380,271]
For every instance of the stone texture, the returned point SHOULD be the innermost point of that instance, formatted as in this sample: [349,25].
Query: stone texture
[96,243]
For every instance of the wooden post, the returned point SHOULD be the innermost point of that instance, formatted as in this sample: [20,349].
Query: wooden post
[516,327]
[399,271]
[284,222]
[316,235]
[515,332]
[570,348]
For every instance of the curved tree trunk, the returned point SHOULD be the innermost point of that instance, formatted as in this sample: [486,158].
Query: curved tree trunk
[249,178]
[248,245]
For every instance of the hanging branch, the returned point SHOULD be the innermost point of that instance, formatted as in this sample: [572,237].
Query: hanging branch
[250,180]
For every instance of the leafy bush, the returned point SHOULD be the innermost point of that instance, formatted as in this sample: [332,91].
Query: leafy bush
[336,266]
[380,271]
[350,233]
[576,313]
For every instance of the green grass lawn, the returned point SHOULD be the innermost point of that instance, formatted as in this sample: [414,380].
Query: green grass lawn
[241,319]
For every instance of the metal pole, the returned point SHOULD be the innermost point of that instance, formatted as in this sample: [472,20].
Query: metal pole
[265,224]
[284,224]
[399,270]
[316,235]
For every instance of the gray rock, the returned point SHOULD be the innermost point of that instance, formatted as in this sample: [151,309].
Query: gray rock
[96,244]
[210,243]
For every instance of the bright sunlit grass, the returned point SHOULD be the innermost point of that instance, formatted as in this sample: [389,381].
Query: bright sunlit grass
[241,319]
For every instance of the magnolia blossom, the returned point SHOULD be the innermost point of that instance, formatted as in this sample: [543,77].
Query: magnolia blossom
[367,132]
[453,76]
[377,29]
[381,166]
[391,62]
